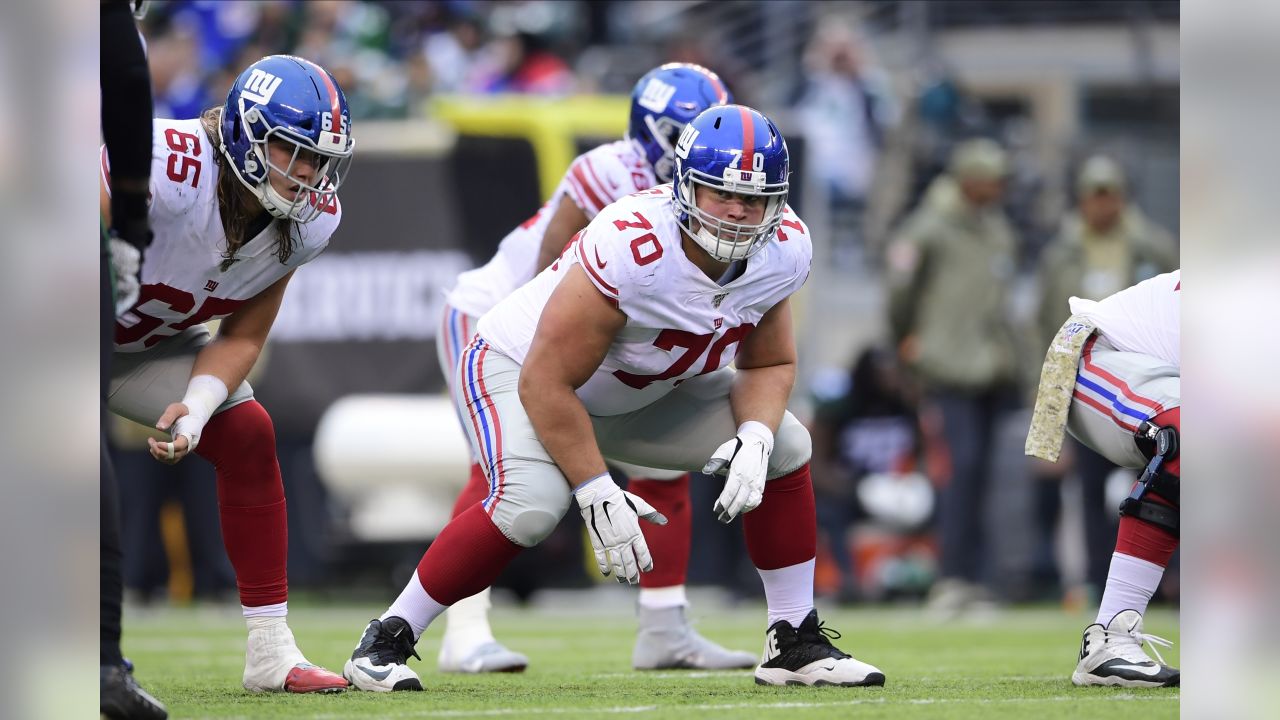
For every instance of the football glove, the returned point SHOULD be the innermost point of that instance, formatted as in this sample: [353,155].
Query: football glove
[613,524]
[126,263]
[744,462]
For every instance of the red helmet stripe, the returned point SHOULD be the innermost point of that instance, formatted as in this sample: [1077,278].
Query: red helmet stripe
[748,137]
[334,107]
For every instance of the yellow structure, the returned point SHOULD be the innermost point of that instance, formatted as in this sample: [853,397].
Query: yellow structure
[549,124]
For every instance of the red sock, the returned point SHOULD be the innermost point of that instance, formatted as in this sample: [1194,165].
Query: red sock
[476,490]
[783,531]
[241,444]
[668,544]
[1142,539]
[466,557]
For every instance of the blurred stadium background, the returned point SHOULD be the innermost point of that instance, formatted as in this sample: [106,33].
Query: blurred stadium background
[466,113]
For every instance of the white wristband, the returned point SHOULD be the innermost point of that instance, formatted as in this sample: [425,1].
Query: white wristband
[205,393]
[759,430]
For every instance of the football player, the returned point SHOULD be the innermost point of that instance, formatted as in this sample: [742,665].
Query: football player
[239,199]
[1112,377]
[619,350]
[663,101]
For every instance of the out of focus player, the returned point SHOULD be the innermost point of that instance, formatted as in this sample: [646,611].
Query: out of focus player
[239,199]
[1112,376]
[619,350]
[663,101]
[126,130]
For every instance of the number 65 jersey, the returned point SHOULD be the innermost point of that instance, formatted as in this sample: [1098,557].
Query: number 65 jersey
[680,323]
[182,280]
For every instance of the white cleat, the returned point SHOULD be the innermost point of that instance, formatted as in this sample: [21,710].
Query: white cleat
[805,656]
[1114,656]
[273,662]
[488,657]
[666,641]
[378,663]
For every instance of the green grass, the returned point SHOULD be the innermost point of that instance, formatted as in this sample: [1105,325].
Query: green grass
[1016,666]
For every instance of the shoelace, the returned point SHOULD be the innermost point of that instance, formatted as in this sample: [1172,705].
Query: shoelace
[1138,638]
[823,635]
[398,647]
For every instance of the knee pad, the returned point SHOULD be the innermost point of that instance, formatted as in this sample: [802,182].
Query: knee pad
[792,447]
[528,513]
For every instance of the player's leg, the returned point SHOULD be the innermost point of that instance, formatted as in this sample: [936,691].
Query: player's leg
[666,639]
[680,432]
[468,644]
[240,442]
[528,495]
[1115,393]
[119,695]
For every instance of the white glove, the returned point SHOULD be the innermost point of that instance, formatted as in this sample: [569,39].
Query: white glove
[744,461]
[126,261]
[205,393]
[613,523]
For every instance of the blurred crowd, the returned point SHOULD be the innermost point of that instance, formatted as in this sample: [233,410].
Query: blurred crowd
[927,191]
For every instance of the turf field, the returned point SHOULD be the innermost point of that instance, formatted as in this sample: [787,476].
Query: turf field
[1014,666]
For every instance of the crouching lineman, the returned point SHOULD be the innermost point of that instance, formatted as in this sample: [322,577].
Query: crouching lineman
[663,101]
[618,351]
[240,198]
[1112,377]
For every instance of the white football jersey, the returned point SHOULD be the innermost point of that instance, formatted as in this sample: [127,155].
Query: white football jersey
[182,281]
[680,323]
[1144,318]
[594,180]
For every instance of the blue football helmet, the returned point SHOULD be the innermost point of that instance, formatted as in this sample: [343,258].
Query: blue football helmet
[662,102]
[733,149]
[293,103]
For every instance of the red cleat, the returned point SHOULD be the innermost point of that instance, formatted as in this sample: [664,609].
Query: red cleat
[308,678]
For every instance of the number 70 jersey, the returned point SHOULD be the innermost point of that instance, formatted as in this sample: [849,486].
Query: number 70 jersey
[183,283]
[680,323]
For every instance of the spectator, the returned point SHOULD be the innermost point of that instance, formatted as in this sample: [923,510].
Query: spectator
[1104,246]
[950,268]
[845,108]
[520,63]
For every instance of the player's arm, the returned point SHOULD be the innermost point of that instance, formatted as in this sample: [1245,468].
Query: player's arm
[766,365]
[577,327]
[567,221]
[219,368]
[126,121]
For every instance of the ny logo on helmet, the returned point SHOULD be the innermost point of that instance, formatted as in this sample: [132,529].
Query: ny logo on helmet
[656,95]
[686,141]
[260,87]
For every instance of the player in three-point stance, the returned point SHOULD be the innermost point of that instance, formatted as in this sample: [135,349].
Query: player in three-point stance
[619,351]
[1112,377]
[240,198]
[663,101]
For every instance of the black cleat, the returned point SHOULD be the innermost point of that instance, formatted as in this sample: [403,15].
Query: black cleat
[378,663]
[805,656]
[120,697]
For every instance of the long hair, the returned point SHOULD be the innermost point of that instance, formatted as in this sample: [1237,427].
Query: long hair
[237,206]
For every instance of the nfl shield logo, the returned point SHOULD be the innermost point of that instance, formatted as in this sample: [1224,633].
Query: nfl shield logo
[719,298]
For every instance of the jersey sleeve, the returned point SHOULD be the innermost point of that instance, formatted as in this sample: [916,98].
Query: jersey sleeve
[793,236]
[596,179]
[597,252]
[178,177]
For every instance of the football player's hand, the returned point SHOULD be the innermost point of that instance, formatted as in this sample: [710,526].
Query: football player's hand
[613,524]
[126,263]
[744,462]
[185,432]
